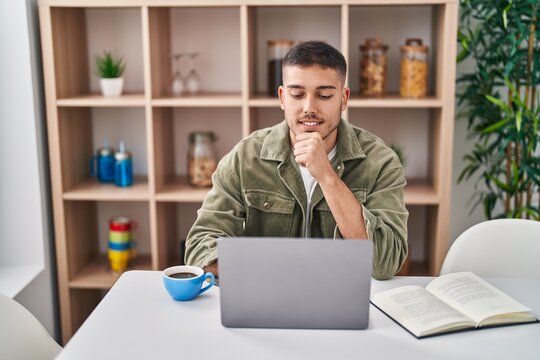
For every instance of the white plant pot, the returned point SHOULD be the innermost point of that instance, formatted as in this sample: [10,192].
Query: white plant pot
[111,87]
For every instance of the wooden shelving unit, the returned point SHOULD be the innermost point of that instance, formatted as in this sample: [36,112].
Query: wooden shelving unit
[233,34]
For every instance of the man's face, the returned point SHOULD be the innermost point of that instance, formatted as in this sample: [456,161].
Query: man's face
[312,99]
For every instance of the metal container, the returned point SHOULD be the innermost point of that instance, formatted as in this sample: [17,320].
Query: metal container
[102,165]
[121,246]
[123,167]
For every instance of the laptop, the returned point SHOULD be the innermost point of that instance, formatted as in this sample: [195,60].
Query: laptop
[294,283]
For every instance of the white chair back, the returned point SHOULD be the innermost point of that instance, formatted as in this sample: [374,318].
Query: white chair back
[507,248]
[22,336]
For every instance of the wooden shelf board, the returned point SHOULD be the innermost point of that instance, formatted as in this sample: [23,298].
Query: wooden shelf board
[133,3]
[179,190]
[200,100]
[417,192]
[394,101]
[91,189]
[264,101]
[97,274]
[97,100]
[420,192]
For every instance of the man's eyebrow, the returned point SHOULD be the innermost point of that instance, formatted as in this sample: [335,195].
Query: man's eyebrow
[295,87]
[323,87]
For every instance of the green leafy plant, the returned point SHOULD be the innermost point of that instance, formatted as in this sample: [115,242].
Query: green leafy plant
[500,99]
[108,66]
[400,153]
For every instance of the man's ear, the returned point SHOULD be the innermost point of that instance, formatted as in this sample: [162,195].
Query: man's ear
[281,95]
[345,98]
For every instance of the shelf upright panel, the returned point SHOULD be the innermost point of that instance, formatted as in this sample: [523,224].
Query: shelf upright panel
[247,46]
[159,47]
[156,250]
[447,20]
[344,35]
[81,248]
[59,30]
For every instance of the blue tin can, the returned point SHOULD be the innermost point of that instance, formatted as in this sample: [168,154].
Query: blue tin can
[102,165]
[123,167]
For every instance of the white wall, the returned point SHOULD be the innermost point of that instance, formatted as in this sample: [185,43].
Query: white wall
[25,228]
[462,217]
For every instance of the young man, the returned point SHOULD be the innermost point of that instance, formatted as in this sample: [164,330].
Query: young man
[312,175]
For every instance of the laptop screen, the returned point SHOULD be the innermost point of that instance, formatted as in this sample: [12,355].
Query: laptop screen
[294,282]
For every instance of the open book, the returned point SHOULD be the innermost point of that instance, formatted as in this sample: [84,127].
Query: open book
[449,303]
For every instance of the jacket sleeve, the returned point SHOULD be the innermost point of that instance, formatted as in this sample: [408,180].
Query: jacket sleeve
[222,215]
[386,217]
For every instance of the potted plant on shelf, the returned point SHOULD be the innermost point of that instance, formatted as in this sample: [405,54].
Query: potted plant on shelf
[110,69]
[500,98]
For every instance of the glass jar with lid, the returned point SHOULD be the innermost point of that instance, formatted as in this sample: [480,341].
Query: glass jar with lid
[373,63]
[202,158]
[413,69]
[277,49]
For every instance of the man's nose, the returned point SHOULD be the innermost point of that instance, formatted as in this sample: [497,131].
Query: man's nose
[310,105]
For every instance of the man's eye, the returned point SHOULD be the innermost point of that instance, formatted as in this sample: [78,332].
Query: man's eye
[325,97]
[296,96]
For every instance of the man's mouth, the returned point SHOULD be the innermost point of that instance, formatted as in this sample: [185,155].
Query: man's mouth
[309,123]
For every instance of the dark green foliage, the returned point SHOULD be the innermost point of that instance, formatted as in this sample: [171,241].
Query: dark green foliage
[108,66]
[500,99]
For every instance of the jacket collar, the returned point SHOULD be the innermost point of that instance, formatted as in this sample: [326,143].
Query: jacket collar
[276,145]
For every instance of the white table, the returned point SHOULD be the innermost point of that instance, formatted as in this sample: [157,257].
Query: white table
[138,320]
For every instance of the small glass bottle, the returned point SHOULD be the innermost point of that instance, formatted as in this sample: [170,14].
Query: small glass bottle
[373,63]
[413,69]
[202,159]
[277,49]
[123,167]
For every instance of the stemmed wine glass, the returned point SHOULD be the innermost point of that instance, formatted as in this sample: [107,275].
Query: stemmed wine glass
[185,77]
[192,79]
[177,86]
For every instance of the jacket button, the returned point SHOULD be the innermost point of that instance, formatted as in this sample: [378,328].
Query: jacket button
[266,205]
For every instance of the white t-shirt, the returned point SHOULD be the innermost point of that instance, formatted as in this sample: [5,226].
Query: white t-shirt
[310,183]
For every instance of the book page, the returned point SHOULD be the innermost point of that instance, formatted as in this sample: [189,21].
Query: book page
[419,311]
[475,297]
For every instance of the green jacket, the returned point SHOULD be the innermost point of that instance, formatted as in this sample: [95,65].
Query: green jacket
[258,191]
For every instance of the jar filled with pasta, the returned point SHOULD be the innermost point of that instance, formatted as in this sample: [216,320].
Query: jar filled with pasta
[202,159]
[413,69]
[373,64]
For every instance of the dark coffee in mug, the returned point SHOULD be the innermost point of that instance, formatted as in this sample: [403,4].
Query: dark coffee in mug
[183,275]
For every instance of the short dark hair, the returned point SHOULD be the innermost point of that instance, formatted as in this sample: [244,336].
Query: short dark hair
[316,53]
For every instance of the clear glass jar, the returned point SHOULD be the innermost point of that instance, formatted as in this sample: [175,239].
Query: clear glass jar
[202,158]
[413,69]
[373,64]
[277,49]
